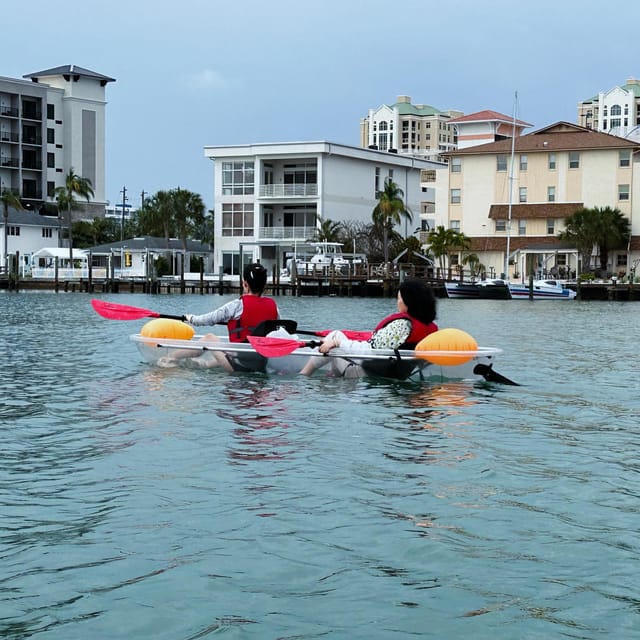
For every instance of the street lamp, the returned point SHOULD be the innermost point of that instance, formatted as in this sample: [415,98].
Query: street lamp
[124,204]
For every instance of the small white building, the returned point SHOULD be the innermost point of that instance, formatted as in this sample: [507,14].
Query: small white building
[270,197]
[25,233]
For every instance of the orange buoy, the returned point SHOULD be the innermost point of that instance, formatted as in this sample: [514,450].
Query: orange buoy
[447,341]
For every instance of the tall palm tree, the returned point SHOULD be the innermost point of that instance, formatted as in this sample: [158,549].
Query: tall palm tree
[390,211]
[8,199]
[442,241]
[188,212]
[65,197]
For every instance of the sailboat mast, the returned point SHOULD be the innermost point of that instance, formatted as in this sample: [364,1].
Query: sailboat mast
[513,154]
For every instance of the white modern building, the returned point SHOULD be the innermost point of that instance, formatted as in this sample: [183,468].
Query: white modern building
[50,122]
[271,197]
[615,111]
[27,232]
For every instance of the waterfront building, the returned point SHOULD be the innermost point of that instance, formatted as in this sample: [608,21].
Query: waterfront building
[407,129]
[515,204]
[270,198]
[615,111]
[50,122]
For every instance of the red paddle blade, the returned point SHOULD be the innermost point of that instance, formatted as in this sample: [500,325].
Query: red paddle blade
[274,347]
[115,311]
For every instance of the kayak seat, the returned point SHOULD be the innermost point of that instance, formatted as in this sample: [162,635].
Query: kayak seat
[267,326]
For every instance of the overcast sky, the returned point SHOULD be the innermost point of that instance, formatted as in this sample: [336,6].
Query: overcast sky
[205,72]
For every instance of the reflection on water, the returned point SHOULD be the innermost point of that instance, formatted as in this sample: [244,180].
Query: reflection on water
[177,503]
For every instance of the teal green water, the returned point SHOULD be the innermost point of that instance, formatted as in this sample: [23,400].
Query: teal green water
[182,504]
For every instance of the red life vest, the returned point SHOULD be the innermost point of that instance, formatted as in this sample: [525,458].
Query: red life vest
[255,309]
[419,330]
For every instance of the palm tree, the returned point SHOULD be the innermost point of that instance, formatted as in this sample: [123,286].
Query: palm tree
[603,227]
[188,212]
[65,197]
[390,211]
[328,230]
[475,266]
[442,241]
[8,199]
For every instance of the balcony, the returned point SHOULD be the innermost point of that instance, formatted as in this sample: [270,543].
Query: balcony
[10,162]
[36,165]
[300,234]
[32,139]
[9,112]
[288,190]
[9,136]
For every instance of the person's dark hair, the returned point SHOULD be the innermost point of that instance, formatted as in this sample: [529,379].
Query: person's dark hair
[419,298]
[255,276]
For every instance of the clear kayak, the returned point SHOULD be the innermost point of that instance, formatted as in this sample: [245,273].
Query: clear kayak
[206,352]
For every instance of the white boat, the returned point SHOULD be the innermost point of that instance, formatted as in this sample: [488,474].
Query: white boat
[383,363]
[320,258]
[541,290]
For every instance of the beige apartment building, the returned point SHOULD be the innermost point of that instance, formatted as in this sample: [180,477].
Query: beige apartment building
[511,197]
[409,129]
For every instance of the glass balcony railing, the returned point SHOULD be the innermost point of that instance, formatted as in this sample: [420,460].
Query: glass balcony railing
[300,234]
[287,190]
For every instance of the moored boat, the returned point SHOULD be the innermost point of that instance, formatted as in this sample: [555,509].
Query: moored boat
[541,290]
[490,289]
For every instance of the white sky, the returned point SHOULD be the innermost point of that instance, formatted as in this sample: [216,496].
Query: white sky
[205,72]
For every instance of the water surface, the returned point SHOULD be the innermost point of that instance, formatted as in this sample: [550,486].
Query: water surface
[180,504]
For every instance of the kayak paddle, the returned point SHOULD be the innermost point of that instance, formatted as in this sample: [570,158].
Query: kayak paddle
[115,311]
[278,347]
[291,326]
[487,372]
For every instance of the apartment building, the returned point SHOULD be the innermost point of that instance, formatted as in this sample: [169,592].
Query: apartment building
[616,111]
[270,198]
[51,121]
[515,204]
[407,129]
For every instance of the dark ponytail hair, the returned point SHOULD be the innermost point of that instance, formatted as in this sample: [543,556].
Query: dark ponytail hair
[255,275]
[419,298]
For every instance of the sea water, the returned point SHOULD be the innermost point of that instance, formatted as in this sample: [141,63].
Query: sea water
[178,504]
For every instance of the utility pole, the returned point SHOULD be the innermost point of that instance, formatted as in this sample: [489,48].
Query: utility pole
[142,195]
[124,200]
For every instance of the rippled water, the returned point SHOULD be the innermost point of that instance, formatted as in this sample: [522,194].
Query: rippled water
[178,504]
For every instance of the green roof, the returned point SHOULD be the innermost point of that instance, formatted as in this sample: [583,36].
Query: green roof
[407,109]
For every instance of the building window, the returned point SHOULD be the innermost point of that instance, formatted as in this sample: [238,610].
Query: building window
[428,175]
[47,232]
[522,227]
[455,196]
[237,178]
[523,194]
[625,158]
[302,173]
[454,225]
[623,192]
[456,165]
[376,183]
[552,161]
[51,160]
[551,226]
[621,260]
[51,112]
[51,136]
[13,230]
[574,160]
[51,189]
[501,162]
[231,263]
[551,194]
[523,162]
[237,219]
[501,225]
[390,175]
